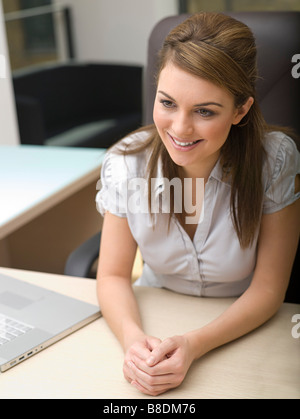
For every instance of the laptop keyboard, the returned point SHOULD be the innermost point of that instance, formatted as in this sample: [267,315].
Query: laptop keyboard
[10,329]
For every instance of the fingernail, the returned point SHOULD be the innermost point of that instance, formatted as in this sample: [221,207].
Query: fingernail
[133,383]
[150,360]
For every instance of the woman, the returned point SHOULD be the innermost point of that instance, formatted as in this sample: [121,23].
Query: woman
[239,233]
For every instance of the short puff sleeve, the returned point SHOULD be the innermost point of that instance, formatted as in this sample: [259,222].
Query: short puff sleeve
[112,194]
[283,167]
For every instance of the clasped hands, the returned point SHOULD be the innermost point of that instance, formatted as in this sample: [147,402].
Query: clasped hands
[154,366]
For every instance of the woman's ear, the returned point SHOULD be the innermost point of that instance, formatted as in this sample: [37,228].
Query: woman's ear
[243,110]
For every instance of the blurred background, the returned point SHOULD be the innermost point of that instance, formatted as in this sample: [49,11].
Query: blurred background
[43,33]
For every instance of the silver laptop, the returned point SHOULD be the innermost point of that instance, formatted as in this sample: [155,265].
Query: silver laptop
[33,318]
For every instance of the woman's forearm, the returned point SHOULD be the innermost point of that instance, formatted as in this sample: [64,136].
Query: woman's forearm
[247,313]
[119,307]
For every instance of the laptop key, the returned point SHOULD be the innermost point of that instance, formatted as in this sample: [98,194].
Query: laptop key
[3,341]
[11,330]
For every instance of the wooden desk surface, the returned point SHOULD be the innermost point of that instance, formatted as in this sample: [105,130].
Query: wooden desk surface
[35,178]
[88,364]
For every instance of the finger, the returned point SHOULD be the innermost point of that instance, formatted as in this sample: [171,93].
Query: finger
[161,352]
[150,384]
[139,350]
[152,342]
[151,392]
[128,372]
[164,367]
[148,378]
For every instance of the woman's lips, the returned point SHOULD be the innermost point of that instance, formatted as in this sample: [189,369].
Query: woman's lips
[183,145]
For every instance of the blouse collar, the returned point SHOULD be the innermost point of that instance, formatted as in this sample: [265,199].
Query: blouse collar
[160,182]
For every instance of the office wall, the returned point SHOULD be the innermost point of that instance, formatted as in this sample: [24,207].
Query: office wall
[9,133]
[116,30]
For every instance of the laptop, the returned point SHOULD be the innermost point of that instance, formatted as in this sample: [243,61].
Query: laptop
[33,318]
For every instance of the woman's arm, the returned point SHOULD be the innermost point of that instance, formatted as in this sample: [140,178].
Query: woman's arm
[277,245]
[116,298]
[114,288]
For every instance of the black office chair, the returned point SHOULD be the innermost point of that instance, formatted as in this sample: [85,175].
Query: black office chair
[278,39]
[78,104]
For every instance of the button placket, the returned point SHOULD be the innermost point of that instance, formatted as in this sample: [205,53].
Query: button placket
[202,231]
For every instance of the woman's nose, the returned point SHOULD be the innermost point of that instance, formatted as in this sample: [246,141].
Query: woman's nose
[183,125]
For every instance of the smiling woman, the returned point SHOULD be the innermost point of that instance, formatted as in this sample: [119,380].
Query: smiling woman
[206,53]
[185,124]
[208,126]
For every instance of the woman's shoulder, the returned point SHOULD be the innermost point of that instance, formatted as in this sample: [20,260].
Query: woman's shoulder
[277,142]
[282,164]
[281,153]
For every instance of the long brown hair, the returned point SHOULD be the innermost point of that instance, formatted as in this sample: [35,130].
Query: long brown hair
[221,50]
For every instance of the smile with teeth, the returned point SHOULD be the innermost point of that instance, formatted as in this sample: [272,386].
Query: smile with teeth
[183,144]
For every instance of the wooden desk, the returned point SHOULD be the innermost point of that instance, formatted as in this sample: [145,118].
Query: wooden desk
[45,192]
[88,364]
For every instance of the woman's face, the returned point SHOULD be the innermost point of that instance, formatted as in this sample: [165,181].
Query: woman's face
[193,117]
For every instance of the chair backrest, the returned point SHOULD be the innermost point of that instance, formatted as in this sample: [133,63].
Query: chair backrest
[278,40]
[75,93]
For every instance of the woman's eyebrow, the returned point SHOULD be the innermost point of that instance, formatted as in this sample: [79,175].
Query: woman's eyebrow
[166,94]
[209,103]
[197,105]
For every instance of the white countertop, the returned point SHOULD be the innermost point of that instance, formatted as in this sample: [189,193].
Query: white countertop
[35,178]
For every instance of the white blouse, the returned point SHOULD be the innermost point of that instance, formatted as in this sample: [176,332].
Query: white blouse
[213,263]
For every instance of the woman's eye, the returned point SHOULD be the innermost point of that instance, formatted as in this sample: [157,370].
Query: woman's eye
[205,112]
[167,103]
